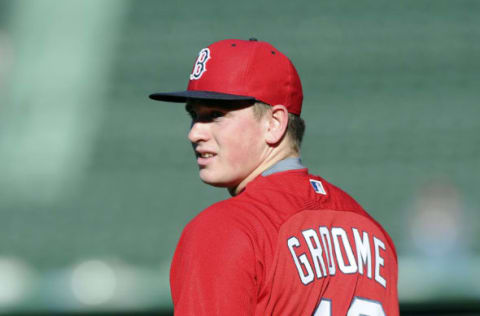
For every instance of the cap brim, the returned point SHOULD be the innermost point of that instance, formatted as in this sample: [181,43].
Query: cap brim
[203,96]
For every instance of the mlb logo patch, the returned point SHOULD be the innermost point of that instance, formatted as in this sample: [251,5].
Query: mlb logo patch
[318,187]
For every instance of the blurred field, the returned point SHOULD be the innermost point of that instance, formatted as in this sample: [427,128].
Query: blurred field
[95,178]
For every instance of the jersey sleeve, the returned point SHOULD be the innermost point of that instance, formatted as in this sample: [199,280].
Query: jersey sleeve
[213,269]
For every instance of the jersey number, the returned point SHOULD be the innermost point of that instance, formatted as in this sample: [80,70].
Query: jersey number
[359,307]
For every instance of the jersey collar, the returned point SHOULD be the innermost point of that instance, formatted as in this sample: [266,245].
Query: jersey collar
[284,165]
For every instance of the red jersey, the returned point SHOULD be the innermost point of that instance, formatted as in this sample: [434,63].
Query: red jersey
[290,244]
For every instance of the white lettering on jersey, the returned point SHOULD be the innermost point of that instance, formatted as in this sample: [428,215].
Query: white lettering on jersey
[325,234]
[316,251]
[306,278]
[379,261]
[363,252]
[352,265]
[321,252]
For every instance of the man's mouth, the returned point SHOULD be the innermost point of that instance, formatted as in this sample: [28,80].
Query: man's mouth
[205,155]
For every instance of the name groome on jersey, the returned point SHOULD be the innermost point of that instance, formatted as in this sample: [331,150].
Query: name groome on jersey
[335,240]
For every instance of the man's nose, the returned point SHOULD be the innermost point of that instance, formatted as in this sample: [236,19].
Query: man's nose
[198,132]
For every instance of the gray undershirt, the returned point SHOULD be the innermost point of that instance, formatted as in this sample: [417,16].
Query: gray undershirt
[284,165]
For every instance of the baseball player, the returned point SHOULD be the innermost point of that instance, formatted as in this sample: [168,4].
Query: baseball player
[287,242]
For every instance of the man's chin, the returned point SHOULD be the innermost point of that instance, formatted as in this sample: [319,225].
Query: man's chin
[216,182]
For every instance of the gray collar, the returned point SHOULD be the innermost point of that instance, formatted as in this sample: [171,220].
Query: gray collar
[284,165]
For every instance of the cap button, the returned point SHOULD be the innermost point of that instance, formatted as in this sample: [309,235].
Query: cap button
[253,39]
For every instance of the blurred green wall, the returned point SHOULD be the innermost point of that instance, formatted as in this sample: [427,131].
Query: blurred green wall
[96,178]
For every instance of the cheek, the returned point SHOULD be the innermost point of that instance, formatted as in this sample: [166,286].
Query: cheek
[243,147]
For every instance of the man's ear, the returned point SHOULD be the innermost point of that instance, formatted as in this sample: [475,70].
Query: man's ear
[277,120]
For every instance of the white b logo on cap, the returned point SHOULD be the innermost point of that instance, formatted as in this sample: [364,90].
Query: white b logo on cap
[201,64]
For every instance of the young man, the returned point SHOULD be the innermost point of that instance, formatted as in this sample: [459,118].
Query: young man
[287,242]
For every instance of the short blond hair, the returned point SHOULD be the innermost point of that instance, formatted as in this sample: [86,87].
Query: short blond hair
[295,128]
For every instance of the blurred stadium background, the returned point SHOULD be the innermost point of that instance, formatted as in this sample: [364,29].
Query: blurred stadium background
[97,181]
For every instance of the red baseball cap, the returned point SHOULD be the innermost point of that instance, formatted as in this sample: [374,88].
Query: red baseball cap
[234,70]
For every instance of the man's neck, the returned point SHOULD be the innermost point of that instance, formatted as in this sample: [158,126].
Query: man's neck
[267,164]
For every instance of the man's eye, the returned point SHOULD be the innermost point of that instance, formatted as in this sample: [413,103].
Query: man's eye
[216,114]
[205,117]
